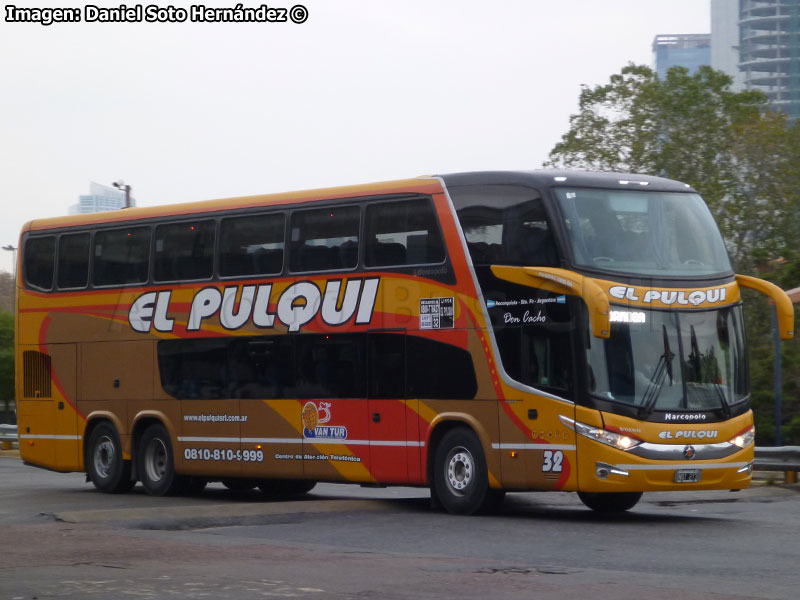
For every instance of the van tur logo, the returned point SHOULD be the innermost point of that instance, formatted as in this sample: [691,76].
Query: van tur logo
[668,297]
[298,305]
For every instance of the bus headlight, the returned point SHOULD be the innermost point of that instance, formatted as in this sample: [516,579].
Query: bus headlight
[616,440]
[745,438]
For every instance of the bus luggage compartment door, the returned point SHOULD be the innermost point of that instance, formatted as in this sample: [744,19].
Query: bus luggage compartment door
[48,419]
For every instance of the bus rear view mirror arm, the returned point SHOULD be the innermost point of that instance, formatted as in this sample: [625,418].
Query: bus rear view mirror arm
[783,304]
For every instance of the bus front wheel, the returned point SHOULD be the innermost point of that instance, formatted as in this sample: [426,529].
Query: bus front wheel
[610,502]
[460,474]
[107,470]
[156,464]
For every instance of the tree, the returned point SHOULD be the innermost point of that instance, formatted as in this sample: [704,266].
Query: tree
[6,291]
[6,360]
[743,159]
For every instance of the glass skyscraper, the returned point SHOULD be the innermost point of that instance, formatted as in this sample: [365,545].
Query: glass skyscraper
[100,198]
[690,50]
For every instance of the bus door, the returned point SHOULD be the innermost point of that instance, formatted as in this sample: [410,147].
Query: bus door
[48,420]
[393,438]
[538,449]
[332,410]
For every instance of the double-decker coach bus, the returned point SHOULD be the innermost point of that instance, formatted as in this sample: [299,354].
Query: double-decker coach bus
[476,333]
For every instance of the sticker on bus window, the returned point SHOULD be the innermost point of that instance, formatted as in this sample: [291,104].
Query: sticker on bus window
[436,313]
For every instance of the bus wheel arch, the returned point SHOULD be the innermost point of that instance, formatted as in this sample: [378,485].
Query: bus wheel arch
[105,465]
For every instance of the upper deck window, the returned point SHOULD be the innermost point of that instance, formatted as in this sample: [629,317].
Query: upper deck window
[251,245]
[184,251]
[402,233]
[325,239]
[73,261]
[121,256]
[39,265]
[649,233]
[504,224]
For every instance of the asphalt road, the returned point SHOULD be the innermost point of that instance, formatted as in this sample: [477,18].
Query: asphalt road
[59,538]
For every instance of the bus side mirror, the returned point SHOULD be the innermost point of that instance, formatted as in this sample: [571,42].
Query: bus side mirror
[783,304]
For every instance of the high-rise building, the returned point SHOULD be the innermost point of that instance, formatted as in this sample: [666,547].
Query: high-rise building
[769,51]
[725,40]
[690,50]
[100,198]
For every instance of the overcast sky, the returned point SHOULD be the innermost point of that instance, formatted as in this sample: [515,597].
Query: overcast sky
[363,91]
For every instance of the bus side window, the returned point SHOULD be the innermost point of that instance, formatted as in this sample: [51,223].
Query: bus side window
[39,264]
[252,245]
[73,261]
[402,233]
[121,256]
[387,365]
[505,225]
[437,370]
[184,251]
[324,239]
[330,366]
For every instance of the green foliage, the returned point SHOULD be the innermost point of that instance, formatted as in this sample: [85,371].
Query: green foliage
[6,356]
[745,161]
[6,291]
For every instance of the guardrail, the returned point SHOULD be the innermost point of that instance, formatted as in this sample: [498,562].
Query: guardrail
[8,436]
[780,458]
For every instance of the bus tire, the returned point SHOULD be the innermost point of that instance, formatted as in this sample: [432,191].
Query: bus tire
[286,487]
[156,463]
[610,502]
[460,474]
[106,468]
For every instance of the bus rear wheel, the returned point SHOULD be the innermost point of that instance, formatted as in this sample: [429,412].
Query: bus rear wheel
[460,474]
[106,468]
[610,502]
[156,463]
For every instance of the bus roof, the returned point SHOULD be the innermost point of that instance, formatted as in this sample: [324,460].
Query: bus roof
[422,185]
[565,178]
[425,185]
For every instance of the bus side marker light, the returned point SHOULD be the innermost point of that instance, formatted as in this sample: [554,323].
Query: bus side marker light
[513,454]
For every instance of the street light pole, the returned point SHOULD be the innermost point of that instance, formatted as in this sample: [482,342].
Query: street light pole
[13,251]
[121,185]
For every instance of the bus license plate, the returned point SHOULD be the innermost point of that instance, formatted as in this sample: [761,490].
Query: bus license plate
[687,475]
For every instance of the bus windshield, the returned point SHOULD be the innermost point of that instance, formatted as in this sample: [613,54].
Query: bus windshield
[648,233]
[677,360]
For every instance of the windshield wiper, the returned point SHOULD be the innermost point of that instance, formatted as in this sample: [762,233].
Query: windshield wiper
[663,369]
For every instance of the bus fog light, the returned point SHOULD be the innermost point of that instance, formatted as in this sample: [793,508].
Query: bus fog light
[603,470]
